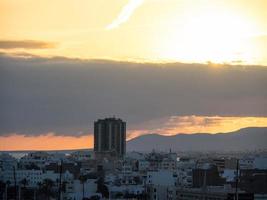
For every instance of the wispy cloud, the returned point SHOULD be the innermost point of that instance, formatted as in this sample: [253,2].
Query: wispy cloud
[125,14]
[25,44]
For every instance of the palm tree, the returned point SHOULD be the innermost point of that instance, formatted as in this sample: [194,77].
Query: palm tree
[83,179]
[7,185]
[102,188]
[64,186]
[39,190]
[47,186]
[24,182]
[2,188]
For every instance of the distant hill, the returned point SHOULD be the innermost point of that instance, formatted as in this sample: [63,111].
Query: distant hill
[250,138]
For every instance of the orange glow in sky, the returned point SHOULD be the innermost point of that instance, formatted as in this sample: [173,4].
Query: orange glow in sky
[45,142]
[171,126]
[200,124]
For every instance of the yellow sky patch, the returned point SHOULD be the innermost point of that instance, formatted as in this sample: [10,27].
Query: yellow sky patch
[185,31]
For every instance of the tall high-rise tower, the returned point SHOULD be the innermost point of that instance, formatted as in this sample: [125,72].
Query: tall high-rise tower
[110,137]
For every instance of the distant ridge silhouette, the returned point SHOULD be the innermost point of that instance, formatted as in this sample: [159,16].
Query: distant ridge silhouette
[246,139]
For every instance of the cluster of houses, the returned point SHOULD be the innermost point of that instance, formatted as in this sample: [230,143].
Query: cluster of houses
[155,175]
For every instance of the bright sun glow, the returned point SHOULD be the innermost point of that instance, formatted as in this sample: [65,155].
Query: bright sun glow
[160,31]
[211,35]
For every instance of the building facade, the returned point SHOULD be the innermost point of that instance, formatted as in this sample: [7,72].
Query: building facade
[110,137]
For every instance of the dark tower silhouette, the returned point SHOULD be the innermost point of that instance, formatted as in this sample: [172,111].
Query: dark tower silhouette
[110,137]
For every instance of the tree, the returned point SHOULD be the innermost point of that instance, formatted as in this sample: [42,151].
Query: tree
[137,180]
[102,188]
[2,188]
[64,186]
[95,197]
[7,186]
[39,189]
[47,187]
[24,183]
[83,179]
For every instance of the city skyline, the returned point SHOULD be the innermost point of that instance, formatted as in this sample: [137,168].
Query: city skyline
[133,99]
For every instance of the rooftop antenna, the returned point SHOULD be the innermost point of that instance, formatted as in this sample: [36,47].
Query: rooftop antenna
[205,180]
[60,177]
[15,181]
[237,179]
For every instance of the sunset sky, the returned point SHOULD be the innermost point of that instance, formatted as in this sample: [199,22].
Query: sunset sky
[163,66]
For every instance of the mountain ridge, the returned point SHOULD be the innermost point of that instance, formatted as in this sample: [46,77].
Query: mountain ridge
[249,138]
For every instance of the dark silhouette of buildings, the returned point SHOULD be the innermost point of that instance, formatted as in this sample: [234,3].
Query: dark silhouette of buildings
[110,137]
[253,181]
[207,177]
[211,194]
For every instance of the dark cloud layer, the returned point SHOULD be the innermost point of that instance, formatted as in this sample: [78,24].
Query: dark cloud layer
[40,95]
[25,44]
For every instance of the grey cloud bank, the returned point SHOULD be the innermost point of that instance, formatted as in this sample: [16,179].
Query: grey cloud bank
[65,96]
[25,44]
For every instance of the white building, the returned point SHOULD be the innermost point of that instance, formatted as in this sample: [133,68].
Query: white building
[82,155]
[7,161]
[184,172]
[246,163]
[143,165]
[229,175]
[39,158]
[161,184]
[168,164]
[260,163]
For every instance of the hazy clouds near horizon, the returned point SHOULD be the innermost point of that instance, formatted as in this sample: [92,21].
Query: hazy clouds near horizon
[40,95]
